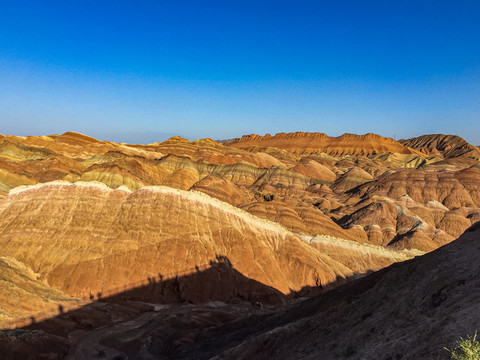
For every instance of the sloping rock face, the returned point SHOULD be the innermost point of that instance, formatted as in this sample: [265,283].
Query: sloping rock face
[351,179]
[312,143]
[361,258]
[86,239]
[447,146]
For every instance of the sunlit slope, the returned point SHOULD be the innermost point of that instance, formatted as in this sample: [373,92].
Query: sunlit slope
[85,238]
[24,294]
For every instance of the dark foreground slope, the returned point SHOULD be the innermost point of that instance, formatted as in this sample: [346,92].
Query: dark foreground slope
[411,310]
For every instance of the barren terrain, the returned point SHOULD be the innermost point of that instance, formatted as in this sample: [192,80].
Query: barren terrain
[238,248]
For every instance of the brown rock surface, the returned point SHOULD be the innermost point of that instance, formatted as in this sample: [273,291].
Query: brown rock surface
[351,179]
[298,183]
[361,258]
[357,204]
[87,239]
[315,170]
[452,189]
[223,190]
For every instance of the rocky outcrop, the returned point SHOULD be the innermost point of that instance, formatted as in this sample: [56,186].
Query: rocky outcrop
[417,308]
[452,189]
[222,189]
[315,170]
[351,179]
[360,257]
[258,220]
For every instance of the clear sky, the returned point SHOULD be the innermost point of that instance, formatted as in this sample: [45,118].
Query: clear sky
[138,71]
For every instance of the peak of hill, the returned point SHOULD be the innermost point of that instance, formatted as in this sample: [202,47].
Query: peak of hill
[175,139]
[75,137]
[448,146]
[313,143]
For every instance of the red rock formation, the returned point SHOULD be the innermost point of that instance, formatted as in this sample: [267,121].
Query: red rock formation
[360,203]
[297,181]
[351,179]
[452,189]
[87,239]
[417,308]
[315,170]
[312,143]
[223,190]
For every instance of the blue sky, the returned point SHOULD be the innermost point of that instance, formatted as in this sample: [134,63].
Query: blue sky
[140,71]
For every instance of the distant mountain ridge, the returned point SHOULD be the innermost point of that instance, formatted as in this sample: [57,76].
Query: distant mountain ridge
[313,143]
[448,146]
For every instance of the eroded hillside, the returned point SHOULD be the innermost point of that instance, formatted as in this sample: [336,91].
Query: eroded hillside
[291,212]
[418,194]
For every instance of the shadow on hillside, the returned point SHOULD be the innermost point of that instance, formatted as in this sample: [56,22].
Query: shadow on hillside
[160,300]
[218,281]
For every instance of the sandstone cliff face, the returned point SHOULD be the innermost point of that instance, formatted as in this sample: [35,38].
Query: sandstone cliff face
[306,211]
[417,308]
[412,208]
[351,179]
[452,189]
[360,257]
[315,170]
[89,241]
[281,214]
